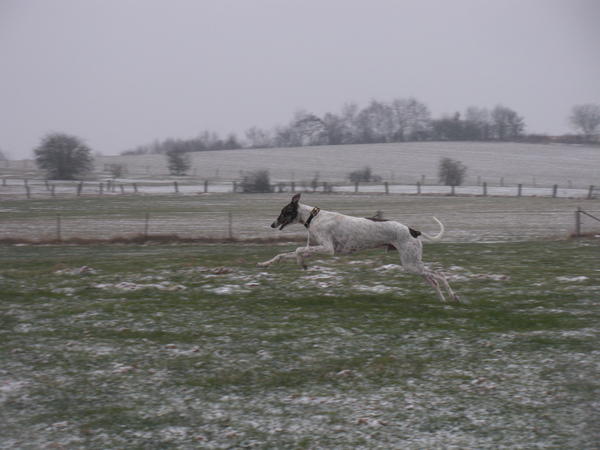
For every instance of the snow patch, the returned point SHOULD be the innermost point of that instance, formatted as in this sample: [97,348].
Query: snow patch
[378,288]
[572,279]
[130,286]
[83,270]
[389,267]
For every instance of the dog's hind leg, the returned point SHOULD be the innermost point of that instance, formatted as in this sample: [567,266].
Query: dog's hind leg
[410,256]
[442,278]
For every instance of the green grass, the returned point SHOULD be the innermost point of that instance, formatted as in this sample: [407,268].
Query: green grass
[352,353]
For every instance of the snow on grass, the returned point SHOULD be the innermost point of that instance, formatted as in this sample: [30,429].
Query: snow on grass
[352,353]
[130,286]
[574,279]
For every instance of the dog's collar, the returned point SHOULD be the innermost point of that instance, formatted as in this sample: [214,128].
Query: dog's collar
[313,213]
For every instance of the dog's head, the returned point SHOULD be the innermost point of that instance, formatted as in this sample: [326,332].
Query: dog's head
[288,215]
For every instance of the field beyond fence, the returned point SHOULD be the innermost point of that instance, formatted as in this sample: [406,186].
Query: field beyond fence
[228,216]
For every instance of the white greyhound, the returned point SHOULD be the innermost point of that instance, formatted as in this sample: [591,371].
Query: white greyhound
[337,233]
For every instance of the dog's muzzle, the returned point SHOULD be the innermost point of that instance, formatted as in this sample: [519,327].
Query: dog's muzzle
[280,225]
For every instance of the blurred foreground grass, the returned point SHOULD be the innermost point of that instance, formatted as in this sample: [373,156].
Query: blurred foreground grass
[184,346]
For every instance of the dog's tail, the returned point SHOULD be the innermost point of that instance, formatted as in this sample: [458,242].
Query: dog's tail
[438,236]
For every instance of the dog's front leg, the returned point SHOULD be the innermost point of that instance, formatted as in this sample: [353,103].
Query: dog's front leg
[306,252]
[277,258]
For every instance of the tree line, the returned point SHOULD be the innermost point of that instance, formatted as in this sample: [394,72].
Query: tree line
[399,120]
[64,156]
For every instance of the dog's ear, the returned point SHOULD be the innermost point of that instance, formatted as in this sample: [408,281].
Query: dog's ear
[295,198]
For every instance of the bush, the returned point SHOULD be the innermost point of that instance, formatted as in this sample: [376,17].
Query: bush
[117,170]
[451,172]
[178,162]
[364,175]
[256,182]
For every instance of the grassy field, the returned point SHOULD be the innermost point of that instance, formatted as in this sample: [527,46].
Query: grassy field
[193,346]
[468,219]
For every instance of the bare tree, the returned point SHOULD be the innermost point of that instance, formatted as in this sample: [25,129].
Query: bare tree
[506,123]
[411,118]
[375,123]
[585,118]
[478,123]
[63,156]
[258,138]
[311,130]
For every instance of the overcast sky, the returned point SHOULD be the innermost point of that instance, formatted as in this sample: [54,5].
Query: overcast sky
[119,73]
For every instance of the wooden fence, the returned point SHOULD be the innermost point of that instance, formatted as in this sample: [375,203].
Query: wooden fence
[44,188]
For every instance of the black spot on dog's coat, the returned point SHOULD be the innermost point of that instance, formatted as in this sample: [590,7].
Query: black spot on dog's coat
[414,233]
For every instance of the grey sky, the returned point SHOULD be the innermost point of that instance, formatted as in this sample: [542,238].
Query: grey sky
[120,73]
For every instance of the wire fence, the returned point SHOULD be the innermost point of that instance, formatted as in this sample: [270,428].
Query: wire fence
[480,226]
[36,188]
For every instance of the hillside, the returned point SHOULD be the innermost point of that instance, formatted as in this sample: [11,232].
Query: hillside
[399,162]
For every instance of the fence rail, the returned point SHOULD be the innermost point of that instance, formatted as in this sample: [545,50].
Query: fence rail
[46,189]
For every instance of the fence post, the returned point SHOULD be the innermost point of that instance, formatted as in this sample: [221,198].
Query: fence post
[293,186]
[205,186]
[519,190]
[230,224]
[356,187]
[135,188]
[101,188]
[146,225]
[234,187]
[52,190]
[27,191]
[387,187]
[3,181]
[176,187]
[418,188]
[58,228]
[591,192]
[46,184]
[485,188]
[578,222]
[554,190]
[452,191]
[79,188]
[122,188]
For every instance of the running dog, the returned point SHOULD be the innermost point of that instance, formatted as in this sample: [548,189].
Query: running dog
[337,234]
